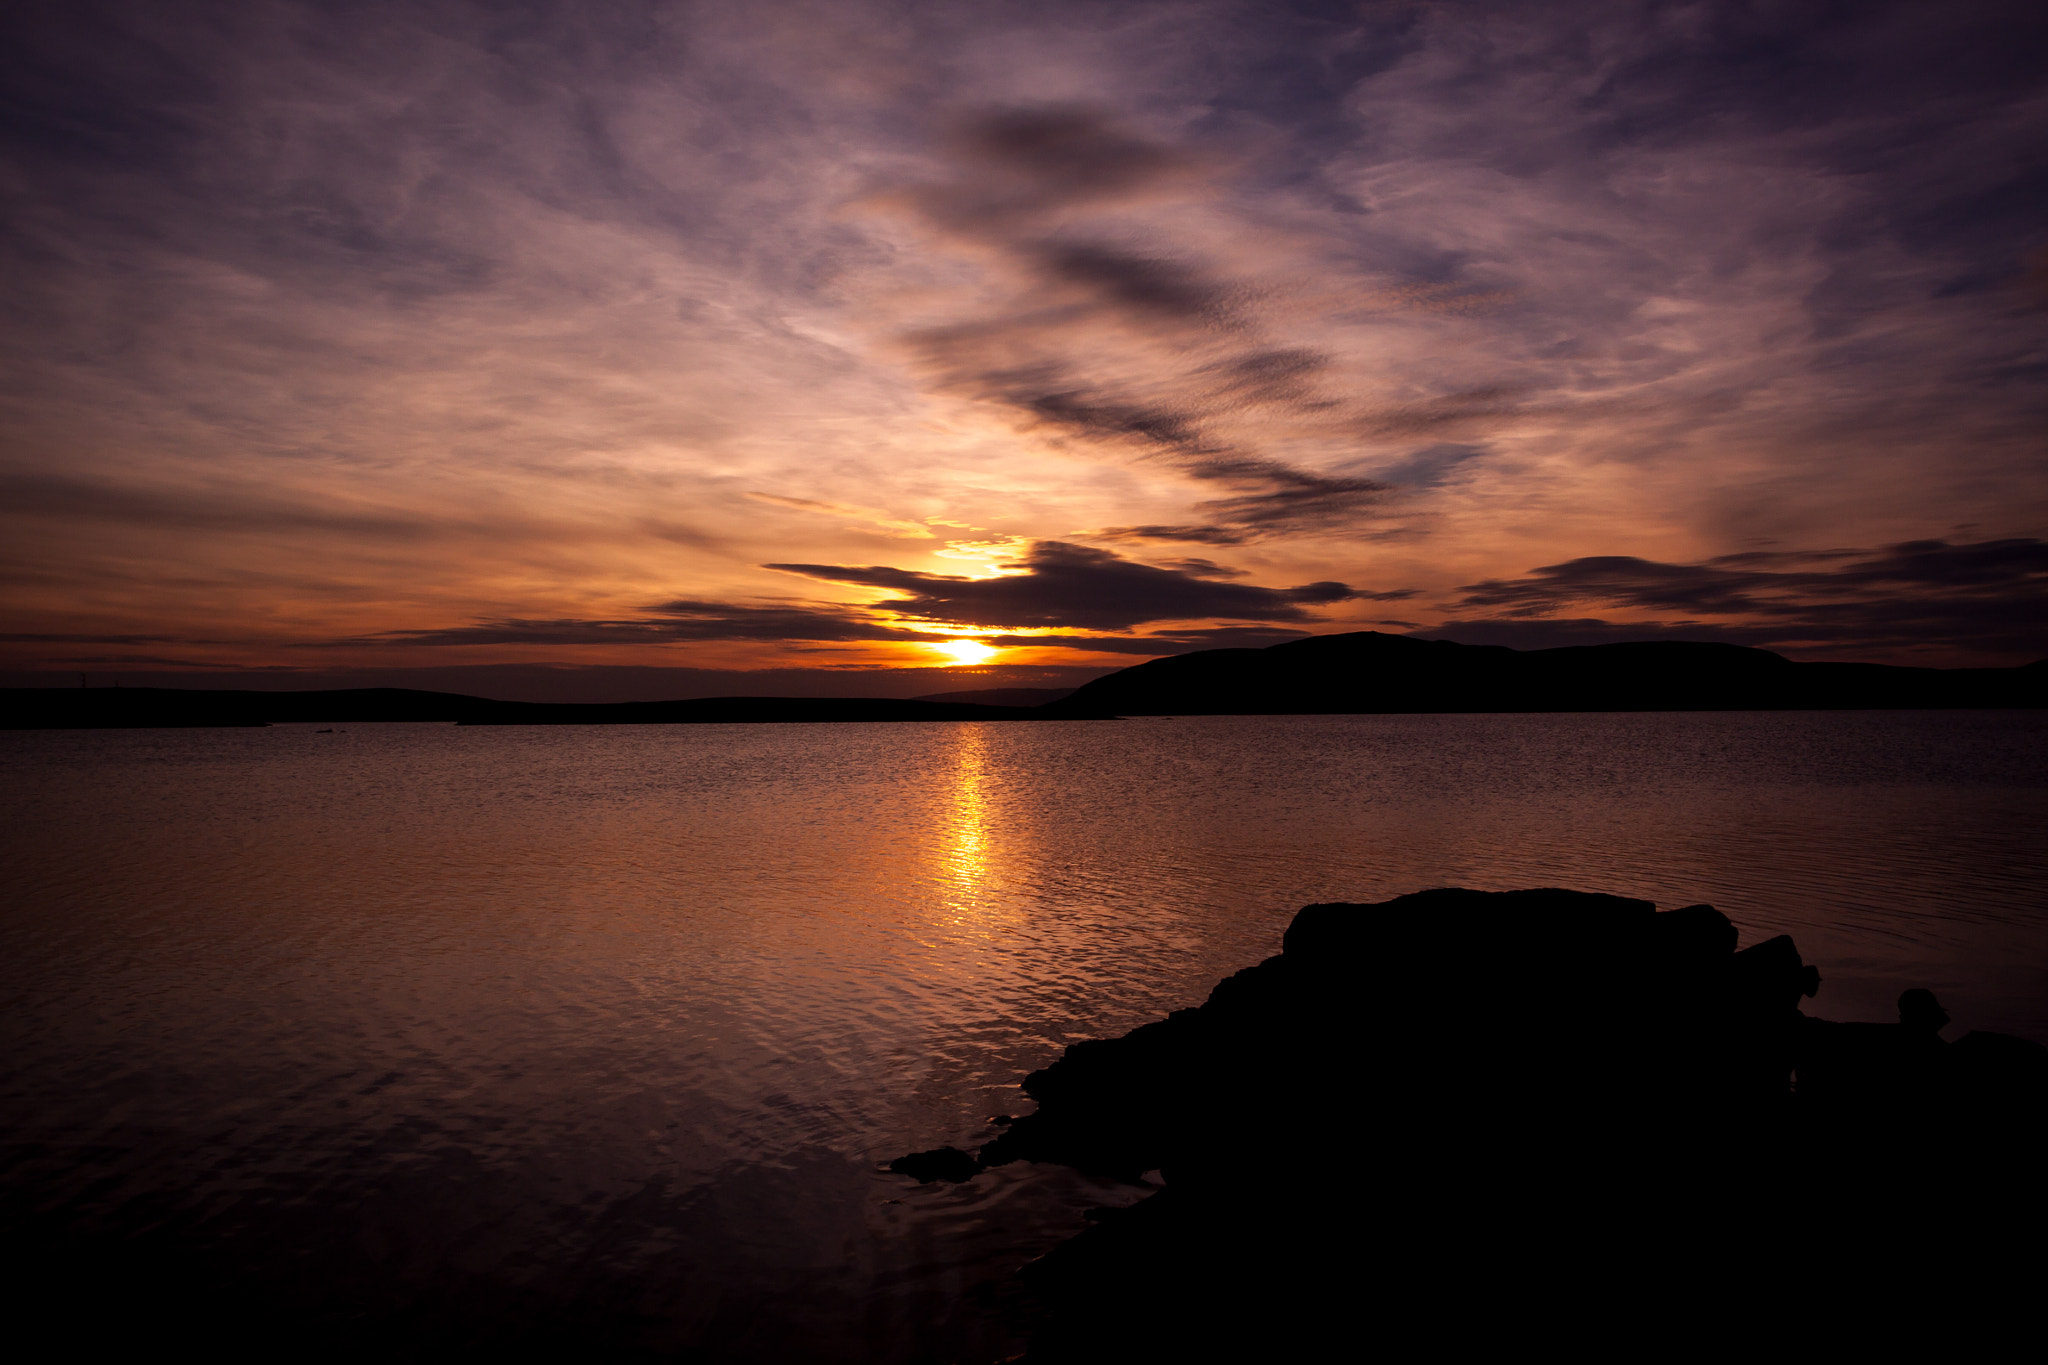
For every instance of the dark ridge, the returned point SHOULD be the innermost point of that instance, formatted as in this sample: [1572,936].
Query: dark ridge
[53,708]
[1003,696]
[1367,671]
[1464,1124]
[1360,672]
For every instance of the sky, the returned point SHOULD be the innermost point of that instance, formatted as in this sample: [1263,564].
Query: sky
[643,349]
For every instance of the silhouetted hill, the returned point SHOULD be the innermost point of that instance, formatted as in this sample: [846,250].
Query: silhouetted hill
[1324,674]
[1372,672]
[157,707]
[1002,696]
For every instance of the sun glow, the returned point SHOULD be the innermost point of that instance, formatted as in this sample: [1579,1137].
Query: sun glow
[967,651]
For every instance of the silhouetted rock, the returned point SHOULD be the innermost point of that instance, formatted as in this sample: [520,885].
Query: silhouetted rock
[1462,1121]
[941,1163]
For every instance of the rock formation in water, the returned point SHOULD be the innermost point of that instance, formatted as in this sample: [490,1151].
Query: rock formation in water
[1464,1122]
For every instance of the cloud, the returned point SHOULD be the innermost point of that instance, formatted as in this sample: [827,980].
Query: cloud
[1023,165]
[1284,499]
[896,528]
[1077,586]
[221,508]
[1990,595]
[705,621]
[1764,581]
[1196,535]
[850,628]
[32,638]
[1157,643]
[1431,465]
[719,621]
[1101,345]
[129,660]
[1558,633]
[679,621]
[1200,568]
[1055,588]
[1142,285]
[1470,287]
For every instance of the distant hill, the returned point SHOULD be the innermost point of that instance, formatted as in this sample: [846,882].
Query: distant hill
[1002,696]
[54,708]
[1372,672]
[1322,674]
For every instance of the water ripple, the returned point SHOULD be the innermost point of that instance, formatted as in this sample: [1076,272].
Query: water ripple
[629,1017]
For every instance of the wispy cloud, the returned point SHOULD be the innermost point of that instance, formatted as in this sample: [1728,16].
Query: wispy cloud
[1052,590]
[676,622]
[1097,342]
[896,528]
[1991,595]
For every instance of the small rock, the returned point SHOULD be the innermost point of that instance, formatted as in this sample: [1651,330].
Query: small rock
[941,1163]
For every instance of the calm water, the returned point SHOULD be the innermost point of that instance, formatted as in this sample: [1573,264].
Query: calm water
[608,1029]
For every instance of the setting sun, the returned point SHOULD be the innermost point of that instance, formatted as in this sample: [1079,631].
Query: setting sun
[967,651]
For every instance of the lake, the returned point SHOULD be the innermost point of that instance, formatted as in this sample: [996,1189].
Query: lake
[475,1037]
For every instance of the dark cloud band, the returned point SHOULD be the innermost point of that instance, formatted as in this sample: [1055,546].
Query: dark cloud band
[1057,589]
[1074,586]
[1991,595]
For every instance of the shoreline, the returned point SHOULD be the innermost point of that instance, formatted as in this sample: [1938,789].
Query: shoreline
[139,708]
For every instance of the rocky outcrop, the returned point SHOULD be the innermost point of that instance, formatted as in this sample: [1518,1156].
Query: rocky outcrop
[1463,1121]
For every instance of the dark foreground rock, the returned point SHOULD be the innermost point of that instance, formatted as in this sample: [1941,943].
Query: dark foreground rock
[941,1163]
[1464,1122]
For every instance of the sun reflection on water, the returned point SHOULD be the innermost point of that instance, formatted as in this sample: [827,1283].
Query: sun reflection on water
[966,851]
